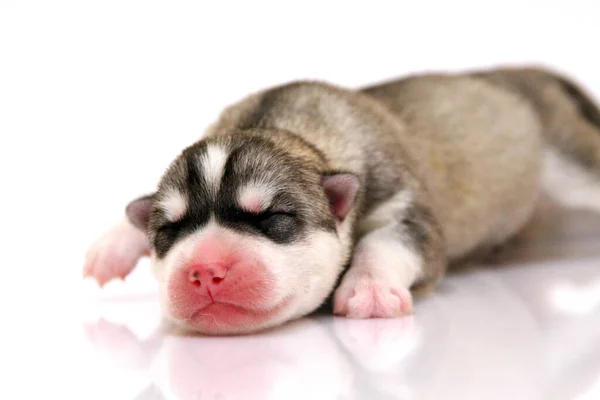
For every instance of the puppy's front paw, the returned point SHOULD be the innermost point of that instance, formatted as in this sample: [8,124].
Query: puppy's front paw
[362,296]
[115,254]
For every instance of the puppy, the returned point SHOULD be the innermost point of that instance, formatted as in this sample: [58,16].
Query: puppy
[308,190]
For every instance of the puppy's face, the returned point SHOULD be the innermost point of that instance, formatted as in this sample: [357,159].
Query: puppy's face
[245,234]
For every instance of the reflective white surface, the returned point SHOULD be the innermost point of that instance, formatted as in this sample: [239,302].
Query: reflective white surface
[525,327]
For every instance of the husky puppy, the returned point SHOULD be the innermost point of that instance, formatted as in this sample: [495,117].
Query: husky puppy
[308,190]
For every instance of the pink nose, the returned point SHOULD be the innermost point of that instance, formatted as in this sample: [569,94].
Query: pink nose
[207,275]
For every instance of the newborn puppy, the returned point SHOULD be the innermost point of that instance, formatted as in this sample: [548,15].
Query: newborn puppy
[307,190]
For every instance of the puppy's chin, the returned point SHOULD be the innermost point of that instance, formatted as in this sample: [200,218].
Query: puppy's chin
[230,319]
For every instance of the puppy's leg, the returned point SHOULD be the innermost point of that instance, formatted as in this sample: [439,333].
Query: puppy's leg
[116,253]
[403,249]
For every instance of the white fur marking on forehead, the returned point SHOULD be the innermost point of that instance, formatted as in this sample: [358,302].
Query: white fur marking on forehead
[213,164]
[174,204]
[255,197]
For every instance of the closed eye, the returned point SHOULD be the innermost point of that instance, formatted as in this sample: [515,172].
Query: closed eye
[255,217]
[267,222]
[278,226]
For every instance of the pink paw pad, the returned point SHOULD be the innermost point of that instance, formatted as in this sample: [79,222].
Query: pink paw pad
[369,298]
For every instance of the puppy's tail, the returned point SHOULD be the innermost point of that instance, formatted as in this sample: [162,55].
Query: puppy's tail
[571,122]
[548,90]
[587,106]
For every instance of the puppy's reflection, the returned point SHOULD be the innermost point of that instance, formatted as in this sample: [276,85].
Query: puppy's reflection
[301,360]
[381,351]
[297,361]
[456,346]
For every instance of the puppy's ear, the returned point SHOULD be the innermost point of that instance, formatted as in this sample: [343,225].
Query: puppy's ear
[138,211]
[341,189]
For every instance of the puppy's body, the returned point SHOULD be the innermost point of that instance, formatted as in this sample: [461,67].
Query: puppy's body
[468,148]
[398,180]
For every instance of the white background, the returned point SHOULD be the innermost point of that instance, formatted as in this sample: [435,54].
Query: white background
[96,98]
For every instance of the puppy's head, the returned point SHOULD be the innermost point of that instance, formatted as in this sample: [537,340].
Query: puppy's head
[247,231]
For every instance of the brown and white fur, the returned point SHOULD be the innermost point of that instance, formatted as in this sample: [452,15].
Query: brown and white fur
[307,190]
